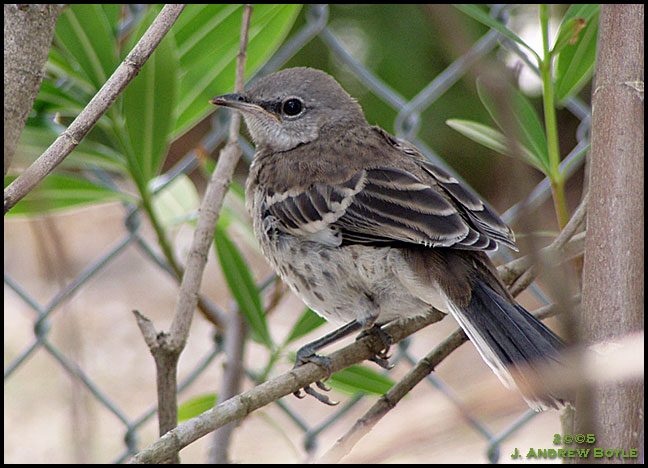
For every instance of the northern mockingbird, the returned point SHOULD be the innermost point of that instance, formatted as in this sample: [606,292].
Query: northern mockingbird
[365,230]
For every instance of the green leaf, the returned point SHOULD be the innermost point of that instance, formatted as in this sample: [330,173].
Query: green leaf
[36,138]
[176,202]
[65,104]
[240,282]
[61,68]
[196,405]
[308,322]
[61,191]
[483,134]
[575,63]
[580,10]
[528,127]
[113,12]
[491,138]
[148,105]
[84,33]
[207,36]
[477,13]
[54,99]
[361,379]
[568,34]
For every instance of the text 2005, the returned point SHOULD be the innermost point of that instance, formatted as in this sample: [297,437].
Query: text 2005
[569,439]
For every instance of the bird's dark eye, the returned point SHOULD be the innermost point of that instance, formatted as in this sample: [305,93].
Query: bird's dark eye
[291,107]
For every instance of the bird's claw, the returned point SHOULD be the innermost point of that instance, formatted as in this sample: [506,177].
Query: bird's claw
[382,357]
[305,355]
[382,362]
[314,393]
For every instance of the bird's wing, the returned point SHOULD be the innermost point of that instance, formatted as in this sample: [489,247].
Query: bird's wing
[386,205]
[478,214]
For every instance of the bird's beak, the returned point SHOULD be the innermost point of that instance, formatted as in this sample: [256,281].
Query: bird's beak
[241,103]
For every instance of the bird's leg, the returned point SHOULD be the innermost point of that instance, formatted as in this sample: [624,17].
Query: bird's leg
[308,352]
[382,357]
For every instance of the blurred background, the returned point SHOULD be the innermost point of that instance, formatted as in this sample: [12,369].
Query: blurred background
[79,380]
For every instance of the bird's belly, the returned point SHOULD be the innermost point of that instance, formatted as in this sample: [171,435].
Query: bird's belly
[341,284]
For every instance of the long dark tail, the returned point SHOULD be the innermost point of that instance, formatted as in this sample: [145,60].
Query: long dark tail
[511,341]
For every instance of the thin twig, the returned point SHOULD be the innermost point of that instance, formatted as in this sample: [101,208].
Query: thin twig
[236,325]
[520,273]
[100,103]
[389,400]
[230,384]
[209,212]
[169,346]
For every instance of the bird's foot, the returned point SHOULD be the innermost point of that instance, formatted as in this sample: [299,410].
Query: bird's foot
[382,357]
[304,356]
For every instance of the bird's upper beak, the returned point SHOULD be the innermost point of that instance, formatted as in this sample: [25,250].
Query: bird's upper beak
[241,103]
[235,101]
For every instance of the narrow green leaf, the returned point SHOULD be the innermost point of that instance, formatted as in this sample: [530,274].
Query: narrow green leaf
[66,104]
[240,282]
[483,134]
[208,37]
[575,63]
[477,13]
[60,191]
[361,379]
[37,138]
[113,12]
[308,322]
[529,130]
[492,139]
[568,34]
[177,202]
[581,10]
[53,99]
[149,107]
[196,405]
[84,32]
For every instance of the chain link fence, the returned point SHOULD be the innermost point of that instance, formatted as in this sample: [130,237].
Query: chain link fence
[47,314]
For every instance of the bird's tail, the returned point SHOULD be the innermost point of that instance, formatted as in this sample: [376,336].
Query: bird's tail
[516,345]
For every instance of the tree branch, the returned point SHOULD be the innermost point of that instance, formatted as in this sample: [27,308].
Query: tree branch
[28,32]
[210,209]
[243,404]
[613,273]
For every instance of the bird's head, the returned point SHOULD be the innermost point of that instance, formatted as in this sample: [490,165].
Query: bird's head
[293,107]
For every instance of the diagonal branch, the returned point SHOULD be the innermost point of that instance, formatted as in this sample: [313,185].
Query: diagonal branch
[520,273]
[100,103]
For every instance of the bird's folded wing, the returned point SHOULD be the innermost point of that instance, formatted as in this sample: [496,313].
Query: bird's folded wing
[387,205]
[483,217]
